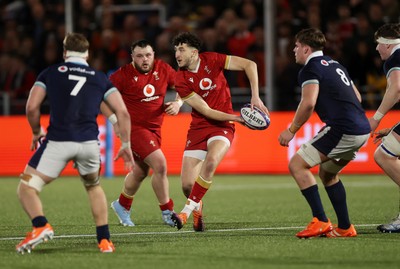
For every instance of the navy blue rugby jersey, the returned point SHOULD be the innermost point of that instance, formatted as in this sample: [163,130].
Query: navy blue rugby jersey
[392,63]
[337,104]
[74,91]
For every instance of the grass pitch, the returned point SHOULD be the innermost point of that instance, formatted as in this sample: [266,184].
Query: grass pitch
[251,222]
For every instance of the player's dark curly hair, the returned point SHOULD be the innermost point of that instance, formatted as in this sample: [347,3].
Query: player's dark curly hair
[187,38]
[141,44]
[389,30]
[312,37]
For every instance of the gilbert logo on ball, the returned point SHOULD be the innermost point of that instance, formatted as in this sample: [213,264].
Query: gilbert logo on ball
[254,119]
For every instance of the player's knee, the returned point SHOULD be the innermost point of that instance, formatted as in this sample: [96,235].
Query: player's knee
[160,170]
[33,181]
[378,157]
[327,177]
[293,166]
[211,164]
[90,180]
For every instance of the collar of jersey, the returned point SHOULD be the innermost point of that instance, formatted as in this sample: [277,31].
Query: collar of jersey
[395,48]
[314,54]
[76,60]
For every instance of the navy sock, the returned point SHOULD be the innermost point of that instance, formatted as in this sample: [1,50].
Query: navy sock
[337,195]
[314,200]
[102,233]
[39,221]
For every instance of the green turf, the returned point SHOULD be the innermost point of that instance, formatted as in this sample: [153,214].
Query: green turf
[251,222]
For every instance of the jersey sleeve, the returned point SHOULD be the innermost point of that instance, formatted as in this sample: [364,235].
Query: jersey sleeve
[117,79]
[181,87]
[392,64]
[308,75]
[218,59]
[41,79]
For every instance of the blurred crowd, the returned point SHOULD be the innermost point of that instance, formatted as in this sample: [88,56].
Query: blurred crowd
[31,34]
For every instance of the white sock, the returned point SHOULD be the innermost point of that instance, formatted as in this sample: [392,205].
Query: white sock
[189,207]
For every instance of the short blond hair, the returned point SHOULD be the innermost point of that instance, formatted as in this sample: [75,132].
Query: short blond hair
[75,42]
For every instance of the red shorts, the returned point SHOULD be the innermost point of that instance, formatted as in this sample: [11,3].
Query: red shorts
[144,142]
[197,138]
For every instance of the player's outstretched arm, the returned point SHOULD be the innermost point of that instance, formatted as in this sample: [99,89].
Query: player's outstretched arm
[250,68]
[198,103]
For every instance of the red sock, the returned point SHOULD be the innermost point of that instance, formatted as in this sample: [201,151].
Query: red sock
[168,206]
[125,201]
[197,192]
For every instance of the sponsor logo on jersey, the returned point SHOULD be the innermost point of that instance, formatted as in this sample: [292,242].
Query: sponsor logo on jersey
[149,92]
[62,69]
[135,78]
[191,80]
[326,63]
[206,84]
[82,70]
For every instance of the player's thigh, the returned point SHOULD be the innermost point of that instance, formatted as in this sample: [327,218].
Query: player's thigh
[341,154]
[144,142]
[391,144]
[216,150]
[52,157]
[87,159]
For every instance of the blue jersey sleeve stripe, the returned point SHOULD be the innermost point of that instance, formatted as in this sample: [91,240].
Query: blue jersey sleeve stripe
[110,91]
[40,84]
[311,81]
[391,70]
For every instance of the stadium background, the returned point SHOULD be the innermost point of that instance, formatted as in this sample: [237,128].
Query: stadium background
[31,34]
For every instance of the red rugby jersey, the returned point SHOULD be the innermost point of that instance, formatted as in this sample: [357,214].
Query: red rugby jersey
[144,94]
[209,82]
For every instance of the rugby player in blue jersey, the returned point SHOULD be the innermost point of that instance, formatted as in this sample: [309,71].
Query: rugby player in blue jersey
[74,91]
[328,90]
[388,153]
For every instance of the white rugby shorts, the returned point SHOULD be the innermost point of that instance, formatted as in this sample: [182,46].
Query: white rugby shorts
[344,148]
[56,155]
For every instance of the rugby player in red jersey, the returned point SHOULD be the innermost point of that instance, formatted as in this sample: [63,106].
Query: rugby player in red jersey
[199,81]
[143,84]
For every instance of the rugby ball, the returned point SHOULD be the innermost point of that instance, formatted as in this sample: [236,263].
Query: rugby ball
[254,119]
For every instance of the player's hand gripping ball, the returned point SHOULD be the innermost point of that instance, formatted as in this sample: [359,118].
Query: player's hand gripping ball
[254,119]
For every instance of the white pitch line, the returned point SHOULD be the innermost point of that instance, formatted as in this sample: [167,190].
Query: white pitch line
[180,232]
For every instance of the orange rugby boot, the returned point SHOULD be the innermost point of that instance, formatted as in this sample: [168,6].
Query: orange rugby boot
[106,246]
[198,223]
[315,228]
[337,232]
[34,238]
